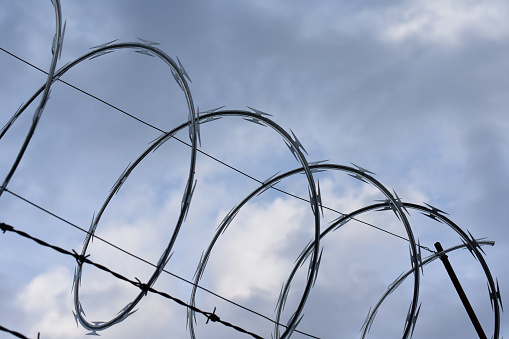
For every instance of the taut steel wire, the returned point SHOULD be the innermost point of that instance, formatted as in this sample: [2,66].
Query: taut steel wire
[312,251]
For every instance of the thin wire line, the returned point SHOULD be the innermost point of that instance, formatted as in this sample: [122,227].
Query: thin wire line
[206,154]
[14,333]
[202,152]
[149,263]
[144,287]
[84,92]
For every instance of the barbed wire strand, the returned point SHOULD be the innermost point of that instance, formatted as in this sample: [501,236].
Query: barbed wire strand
[202,152]
[14,333]
[206,154]
[144,287]
[153,265]
[84,92]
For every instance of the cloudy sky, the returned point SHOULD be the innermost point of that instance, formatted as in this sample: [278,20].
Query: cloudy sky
[414,91]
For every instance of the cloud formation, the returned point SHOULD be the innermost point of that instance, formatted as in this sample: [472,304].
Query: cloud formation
[414,91]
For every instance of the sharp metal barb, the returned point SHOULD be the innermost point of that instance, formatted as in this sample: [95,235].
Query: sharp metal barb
[435,210]
[432,216]
[177,79]
[183,70]
[103,45]
[101,54]
[94,332]
[292,149]
[319,197]
[213,110]
[62,40]
[475,243]
[498,296]
[254,121]
[395,283]
[260,113]
[358,177]
[208,119]
[362,169]
[315,163]
[255,116]
[148,42]
[297,143]
[75,318]
[144,51]
[400,203]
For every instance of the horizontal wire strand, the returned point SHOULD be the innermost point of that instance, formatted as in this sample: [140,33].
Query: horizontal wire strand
[202,152]
[151,264]
[144,287]
[14,333]
[206,154]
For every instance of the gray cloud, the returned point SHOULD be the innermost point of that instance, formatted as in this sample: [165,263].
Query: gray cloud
[414,91]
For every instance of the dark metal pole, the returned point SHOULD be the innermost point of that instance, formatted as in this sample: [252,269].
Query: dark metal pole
[460,291]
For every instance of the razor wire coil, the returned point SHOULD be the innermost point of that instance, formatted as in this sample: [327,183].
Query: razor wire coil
[312,252]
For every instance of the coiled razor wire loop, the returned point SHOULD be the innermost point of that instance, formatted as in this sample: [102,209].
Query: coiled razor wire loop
[361,174]
[144,287]
[294,146]
[312,250]
[56,50]
[178,73]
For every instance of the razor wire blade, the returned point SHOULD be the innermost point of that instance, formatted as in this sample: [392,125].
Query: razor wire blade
[311,252]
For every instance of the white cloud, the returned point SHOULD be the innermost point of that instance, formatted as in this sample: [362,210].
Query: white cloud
[47,304]
[317,68]
[47,301]
[248,257]
[447,22]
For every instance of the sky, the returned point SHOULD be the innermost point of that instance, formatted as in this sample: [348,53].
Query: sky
[414,91]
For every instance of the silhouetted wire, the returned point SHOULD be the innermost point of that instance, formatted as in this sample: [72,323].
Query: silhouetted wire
[206,154]
[149,263]
[14,333]
[202,152]
[144,287]
[84,92]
